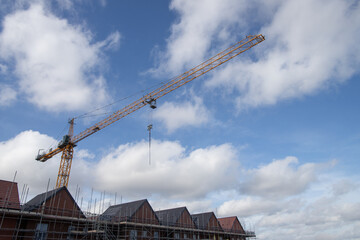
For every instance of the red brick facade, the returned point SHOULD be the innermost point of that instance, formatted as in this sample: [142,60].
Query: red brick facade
[56,215]
[9,195]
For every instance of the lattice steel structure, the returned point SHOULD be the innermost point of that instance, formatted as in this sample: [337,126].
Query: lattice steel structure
[69,141]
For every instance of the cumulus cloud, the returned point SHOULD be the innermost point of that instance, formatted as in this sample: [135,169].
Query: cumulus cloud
[173,172]
[279,178]
[18,155]
[318,213]
[189,175]
[200,23]
[192,179]
[303,53]
[249,206]
[310,45]
[182,114]
[349,212]
[320,219]
[57,66]
[343,186]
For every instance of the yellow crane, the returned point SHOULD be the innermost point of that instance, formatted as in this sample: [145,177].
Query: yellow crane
[69,141]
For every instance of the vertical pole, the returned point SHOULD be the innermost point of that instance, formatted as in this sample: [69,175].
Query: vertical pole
[149,129]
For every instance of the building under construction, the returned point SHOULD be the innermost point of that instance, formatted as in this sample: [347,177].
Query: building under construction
[56,215]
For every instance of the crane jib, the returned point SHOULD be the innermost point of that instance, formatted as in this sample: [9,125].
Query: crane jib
[69,142]
[175,83]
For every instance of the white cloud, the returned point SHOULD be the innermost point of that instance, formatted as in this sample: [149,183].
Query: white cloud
[112,42]
[55,62]
[182,114]
[279,178]
[200,23]
[125,170]
[197,179]
[316,214]
[249,206]
[320,219]
[18,155]
[173,173]
[343,186]
[7,95]
[349,212]
[310,45]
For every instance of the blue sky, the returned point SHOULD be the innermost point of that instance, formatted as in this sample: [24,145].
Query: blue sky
[271,136]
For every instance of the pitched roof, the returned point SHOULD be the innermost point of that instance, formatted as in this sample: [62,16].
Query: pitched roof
[124,210]
[61,195]
[231,224]
[37,201]
[202,219]
[227,223]
[9,195]
[170,217]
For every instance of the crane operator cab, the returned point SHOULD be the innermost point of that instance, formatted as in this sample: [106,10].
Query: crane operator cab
[65,141]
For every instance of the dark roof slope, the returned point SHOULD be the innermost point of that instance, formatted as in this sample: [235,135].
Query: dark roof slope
[37,201]
[124,210]
[62,196]
[202,219]
[9,195]
[170,217]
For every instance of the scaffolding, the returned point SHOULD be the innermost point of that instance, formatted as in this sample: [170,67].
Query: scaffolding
[59,223]
[55,214]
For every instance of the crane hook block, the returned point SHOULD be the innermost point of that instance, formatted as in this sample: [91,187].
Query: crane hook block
[152,102]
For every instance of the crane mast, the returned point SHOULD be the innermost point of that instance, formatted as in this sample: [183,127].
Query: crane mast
[67,144]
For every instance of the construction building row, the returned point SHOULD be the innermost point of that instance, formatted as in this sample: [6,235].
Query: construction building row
[56,215]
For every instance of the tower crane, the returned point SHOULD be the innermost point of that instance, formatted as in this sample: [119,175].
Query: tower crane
[69,141]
